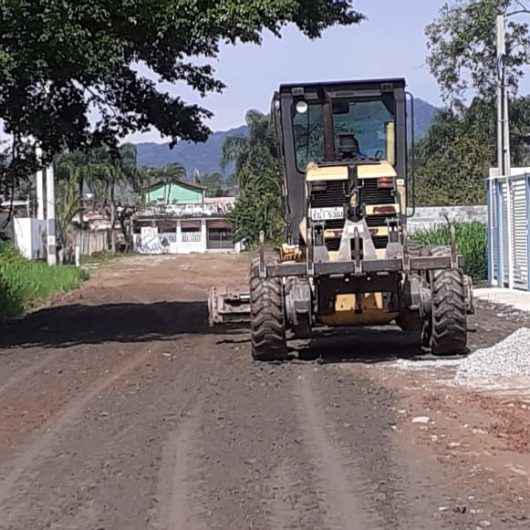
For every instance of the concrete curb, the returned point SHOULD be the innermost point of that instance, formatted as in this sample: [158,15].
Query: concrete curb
[517,299]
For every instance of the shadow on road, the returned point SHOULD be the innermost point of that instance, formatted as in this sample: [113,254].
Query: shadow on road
[71,325]
[82,324]
[361,345]
[357,345]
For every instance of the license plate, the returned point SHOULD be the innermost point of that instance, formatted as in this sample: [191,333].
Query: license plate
[327,214]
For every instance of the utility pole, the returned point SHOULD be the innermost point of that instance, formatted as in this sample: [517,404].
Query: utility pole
[503,139]
[503,128]
[50,216]
[40,187]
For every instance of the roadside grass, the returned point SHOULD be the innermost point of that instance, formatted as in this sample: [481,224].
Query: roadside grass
[25,284]
[471,239]
[100,258]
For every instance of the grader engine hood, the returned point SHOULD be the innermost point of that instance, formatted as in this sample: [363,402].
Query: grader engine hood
[340,172]
[344,198]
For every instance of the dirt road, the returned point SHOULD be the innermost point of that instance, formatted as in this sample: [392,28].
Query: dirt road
[122,410]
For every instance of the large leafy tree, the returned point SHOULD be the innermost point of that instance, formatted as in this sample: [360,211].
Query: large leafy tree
[462,48]
[457,152]
[453,158]
[455,155]
[63,61]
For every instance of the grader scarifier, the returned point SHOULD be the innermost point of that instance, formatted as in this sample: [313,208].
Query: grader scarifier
[347,260]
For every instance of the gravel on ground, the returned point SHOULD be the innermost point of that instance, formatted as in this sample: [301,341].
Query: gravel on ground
[508,358]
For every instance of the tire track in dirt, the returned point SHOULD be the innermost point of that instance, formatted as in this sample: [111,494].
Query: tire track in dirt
[340,493]
[58,423]
[174,511]
[89,455]
[103,449]
[284,511]
[26,372]
[294,502]
[44,439]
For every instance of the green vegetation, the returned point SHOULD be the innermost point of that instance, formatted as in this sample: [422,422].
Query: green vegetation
[62,62]
[113,181]
[455,156]
[24,284]
[101,258]
[215,184]
[471,239]
[462,48]
[258,207]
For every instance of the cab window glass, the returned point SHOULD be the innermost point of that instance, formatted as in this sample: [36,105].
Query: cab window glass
[370,121]
[308,135]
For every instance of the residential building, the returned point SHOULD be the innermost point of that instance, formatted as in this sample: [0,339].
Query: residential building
[178,218]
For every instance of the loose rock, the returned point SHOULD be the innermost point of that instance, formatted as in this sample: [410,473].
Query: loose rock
[508,358]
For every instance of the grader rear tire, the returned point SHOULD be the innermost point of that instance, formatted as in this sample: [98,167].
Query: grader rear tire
[267,320]
[447,333]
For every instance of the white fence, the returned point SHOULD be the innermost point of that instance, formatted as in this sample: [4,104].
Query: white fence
[508,233]
[91,241]
[427,217]
[191,237]
[30,237]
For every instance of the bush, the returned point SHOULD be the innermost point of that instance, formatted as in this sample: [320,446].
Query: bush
[24,283]
[471,239]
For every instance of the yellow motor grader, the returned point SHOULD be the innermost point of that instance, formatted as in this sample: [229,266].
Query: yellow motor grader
[347,260]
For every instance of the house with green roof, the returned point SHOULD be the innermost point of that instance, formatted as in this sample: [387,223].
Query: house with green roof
[178,218]
[173,192]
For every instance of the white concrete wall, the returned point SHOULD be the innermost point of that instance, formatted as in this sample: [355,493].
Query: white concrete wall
[188,248]
[30,237]
[149,241]
[427,217]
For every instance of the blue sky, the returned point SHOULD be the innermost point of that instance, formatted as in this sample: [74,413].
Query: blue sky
[391,43]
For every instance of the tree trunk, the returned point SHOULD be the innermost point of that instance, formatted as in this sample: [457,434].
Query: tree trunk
[81,204]
[125,221]
[112,217]
[112,233]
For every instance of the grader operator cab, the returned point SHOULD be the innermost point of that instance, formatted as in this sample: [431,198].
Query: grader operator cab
[347,260]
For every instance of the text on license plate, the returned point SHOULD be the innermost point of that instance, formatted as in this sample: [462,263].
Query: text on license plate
[327,214]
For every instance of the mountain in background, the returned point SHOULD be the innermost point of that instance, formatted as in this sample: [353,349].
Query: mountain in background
[205,157]
[423,116]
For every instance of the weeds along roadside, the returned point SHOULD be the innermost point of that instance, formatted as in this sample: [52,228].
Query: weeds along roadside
[471,240]
[24,284]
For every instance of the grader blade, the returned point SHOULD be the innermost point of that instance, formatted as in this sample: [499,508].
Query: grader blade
[226,306]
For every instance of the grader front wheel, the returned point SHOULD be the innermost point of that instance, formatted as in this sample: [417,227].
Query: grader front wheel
[267,320]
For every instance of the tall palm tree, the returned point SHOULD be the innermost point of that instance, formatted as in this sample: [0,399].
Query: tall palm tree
[102,172]
[68,205]
[167,174]
[241,150]
[256,170]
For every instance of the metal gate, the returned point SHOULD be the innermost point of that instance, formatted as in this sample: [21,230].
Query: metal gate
[220,238]
[508,231]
